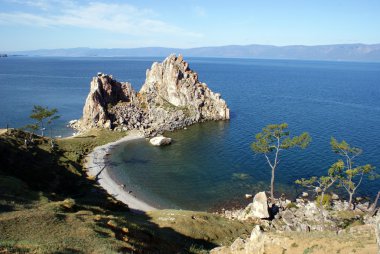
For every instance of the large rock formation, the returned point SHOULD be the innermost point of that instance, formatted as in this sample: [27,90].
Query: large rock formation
[105,93]
[172,97]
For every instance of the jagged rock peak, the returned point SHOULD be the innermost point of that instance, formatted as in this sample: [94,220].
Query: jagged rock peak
[105,92]
[172,97]
[174,82]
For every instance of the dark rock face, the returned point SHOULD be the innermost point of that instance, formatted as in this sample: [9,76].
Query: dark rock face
[172,97]
[105,93]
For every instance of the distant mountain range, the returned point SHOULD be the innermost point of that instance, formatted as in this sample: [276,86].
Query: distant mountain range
[338,52]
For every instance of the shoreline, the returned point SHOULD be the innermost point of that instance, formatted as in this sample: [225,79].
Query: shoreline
[96,160]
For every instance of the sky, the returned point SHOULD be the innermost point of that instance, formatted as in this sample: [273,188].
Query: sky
[50,24]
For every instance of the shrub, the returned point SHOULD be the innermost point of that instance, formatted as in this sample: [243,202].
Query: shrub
[294,245]
[326,202]
[68,203]
[291,205]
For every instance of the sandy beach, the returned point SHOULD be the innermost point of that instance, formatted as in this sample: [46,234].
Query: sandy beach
[95,161]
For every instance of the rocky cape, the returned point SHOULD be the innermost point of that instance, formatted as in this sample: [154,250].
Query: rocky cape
[172,97]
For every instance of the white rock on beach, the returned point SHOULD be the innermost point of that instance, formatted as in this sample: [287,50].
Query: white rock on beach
[160,141]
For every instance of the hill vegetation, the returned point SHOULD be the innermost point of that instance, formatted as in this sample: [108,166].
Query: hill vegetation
[48,205]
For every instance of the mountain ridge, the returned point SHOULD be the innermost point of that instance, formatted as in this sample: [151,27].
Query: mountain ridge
[333,52]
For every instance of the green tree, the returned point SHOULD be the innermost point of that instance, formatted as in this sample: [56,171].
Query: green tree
[31,128]
[321,184]
[42,115]
[273,139]
[352,175]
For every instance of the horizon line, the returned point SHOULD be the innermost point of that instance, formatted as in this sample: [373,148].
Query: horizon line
[186,48]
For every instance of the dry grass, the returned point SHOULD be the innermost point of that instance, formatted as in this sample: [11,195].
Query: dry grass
[47,205]
[361,239]
[201,225]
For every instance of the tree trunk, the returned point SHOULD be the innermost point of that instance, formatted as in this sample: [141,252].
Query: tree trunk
[42,128]
[322,197]
[373,206]
[350,201]
[272,187]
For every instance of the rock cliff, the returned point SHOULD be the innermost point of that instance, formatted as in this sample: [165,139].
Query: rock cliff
[172,97]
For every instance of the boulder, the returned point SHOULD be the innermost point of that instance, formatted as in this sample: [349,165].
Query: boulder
[288,217]
[259,207]
[238,245]
[311,210]
[255,244]
[160,141]
[248,196]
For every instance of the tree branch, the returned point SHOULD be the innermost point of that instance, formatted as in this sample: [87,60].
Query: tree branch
[270,164]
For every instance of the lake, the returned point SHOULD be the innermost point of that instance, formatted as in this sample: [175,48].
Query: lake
[211,165]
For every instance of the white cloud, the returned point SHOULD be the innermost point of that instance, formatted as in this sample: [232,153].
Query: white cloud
[112,17]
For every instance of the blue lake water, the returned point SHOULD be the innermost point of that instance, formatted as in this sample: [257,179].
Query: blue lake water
[211,164]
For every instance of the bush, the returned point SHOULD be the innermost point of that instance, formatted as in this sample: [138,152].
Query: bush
[68,203]
[326,202]
[291,205]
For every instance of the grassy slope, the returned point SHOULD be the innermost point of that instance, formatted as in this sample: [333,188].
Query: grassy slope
[47,205]
[358,240]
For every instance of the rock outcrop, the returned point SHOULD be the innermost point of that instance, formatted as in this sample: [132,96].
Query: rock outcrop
[172,97]
[295,225]
[359,239]
[255,244]
[106,93]
[257,209]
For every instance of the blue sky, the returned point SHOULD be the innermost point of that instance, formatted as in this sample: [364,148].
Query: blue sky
[47,24]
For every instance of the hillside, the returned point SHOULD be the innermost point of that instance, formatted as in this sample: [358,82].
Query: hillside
[47,205]
[336,52]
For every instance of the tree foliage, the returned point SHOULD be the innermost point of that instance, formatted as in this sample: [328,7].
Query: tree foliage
[273,139]
[352,175]
[43,115]
[321,184]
